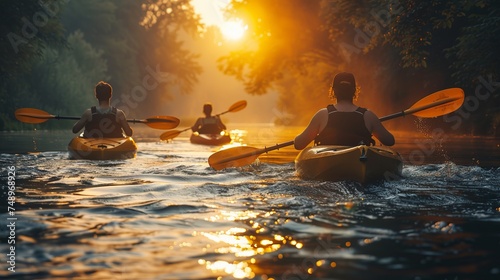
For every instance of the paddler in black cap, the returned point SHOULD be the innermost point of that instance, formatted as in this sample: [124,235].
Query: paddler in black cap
[343,123]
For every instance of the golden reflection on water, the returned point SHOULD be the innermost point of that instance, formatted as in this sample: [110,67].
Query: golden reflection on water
[245,251]
[243,243]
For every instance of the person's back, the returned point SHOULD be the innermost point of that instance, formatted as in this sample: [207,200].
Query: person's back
[103,121]
[103,124]
[350,124]
[343,123]
[209,124]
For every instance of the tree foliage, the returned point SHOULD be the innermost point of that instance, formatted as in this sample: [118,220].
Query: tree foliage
[136,36]
[72,71]
[398,48]
[60,49]
[26,29]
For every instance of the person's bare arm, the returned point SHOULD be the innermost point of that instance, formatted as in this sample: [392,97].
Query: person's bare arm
[220,124]
[378,130]
[196,125]
[316,125]
[86,117]
[122,120]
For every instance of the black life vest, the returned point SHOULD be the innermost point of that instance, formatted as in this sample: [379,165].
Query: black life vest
[209,126]
[344,128]
[103,125]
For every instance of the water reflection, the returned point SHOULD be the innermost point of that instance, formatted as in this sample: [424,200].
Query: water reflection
[167,215]
[245,243]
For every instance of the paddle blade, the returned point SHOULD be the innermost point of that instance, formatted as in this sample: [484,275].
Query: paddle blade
[233,157]
[161,122]
[170,134]
[438,104]
[238,106]
[31,115]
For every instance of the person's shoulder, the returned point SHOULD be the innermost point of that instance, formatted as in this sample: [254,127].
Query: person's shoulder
[320,114]
[370,115]
[322,111]
[120,114]
[119,111]
[367,111]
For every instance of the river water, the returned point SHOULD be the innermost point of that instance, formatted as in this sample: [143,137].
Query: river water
[167,215]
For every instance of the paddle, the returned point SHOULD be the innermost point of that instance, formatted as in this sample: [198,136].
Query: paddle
[31,115]
[435,105]
[238,106]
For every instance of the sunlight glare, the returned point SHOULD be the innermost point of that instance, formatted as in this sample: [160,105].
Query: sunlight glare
[233,30]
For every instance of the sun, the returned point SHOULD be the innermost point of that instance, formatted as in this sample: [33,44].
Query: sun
[233,30]
[211,12]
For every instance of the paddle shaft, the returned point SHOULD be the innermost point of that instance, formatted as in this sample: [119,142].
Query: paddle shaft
[225,112]
[257,152]
[222,113]
[47,117]
[238,106]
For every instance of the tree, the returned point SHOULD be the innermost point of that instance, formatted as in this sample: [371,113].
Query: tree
[70,72]
[27,28]
[403,49]
[136,37]
[168,22]
[53,63]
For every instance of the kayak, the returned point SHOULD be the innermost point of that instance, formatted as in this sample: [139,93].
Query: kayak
[102,148]
[362,163]
[210,139]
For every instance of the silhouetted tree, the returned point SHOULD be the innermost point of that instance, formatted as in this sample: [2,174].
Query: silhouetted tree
[53,52]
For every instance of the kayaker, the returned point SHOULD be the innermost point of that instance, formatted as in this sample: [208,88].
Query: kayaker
[343,123]
[103,121]
[209,124]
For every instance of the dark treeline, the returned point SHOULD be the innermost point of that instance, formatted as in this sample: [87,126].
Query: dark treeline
[54,51]
[399,51]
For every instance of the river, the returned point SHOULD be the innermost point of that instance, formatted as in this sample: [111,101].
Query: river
[167,215]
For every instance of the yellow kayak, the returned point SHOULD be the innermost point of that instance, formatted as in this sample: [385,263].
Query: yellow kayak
[210,139]
[102,148]
[362,163]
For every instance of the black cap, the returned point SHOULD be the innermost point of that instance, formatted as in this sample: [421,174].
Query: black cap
[344,79]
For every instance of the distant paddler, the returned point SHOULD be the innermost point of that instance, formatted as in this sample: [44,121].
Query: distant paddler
[208,124]
[210,129]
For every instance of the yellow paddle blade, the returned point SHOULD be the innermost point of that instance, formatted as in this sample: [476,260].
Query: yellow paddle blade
[238,106]
[32,115]
[171,134]
[233,157]
[438,104]
[160,122]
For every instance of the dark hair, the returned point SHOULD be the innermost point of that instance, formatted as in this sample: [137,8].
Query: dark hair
[344,86]
[207,108]
[103,91]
